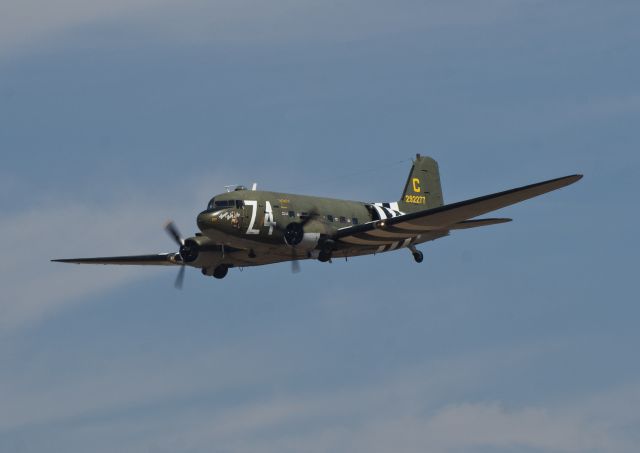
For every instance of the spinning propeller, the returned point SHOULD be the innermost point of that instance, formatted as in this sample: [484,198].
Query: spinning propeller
[187,251]
[293,235]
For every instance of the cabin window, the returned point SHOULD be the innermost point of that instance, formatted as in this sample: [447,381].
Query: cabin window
[343,219]
[354,220]
[330,218]
[239,204]
[292,214]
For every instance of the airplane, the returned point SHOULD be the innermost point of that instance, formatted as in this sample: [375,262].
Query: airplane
[248,227]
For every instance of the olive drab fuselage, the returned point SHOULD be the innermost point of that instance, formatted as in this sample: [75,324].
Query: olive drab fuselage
[258,217]
[256,221]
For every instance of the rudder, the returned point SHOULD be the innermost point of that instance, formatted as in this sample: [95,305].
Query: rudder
[423,189]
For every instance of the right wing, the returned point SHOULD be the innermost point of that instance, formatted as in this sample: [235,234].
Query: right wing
[162,259]
[447,217]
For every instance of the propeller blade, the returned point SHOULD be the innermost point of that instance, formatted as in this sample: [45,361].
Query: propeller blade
[180,278]
[172,230]
[295,266]
[295,263]
[308,218]
[312,215]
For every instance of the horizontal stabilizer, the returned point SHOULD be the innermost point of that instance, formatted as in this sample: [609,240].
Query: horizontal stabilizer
[163,259]
[477,223]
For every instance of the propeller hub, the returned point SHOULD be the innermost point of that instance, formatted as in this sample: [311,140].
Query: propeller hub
[189,251]
[294,233]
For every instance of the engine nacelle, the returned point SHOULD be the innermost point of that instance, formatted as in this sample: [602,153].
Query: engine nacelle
[208,260]
[200,251]
[308,242]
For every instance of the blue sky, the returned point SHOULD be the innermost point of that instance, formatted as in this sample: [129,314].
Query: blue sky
[116,116]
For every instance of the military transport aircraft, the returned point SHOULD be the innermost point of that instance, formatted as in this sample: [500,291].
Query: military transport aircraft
[243,228]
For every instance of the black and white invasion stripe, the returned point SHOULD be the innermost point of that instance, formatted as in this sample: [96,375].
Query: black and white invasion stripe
[391,237]
[387,210]
[395,245]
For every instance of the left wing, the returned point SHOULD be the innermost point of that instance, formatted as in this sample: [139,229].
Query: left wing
[162,259]
[447,217]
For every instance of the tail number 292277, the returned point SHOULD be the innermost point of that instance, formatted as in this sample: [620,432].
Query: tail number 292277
[415,199]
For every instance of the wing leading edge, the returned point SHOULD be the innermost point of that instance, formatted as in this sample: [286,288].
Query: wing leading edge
[448,217]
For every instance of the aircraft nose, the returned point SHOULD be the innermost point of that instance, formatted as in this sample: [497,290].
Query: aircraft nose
[205,220]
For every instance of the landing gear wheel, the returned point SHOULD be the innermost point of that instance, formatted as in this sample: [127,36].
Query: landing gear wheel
[326,250]
[323,257]
[221,271]
[418,256]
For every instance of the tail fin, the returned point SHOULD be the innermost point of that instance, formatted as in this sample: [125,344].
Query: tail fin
[422,190]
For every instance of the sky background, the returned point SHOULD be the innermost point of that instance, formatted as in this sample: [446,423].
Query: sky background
[116,116]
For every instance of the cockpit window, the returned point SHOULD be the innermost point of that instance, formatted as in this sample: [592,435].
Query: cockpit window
[222,204]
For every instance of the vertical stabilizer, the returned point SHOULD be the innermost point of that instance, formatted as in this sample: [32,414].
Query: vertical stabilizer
[423,189]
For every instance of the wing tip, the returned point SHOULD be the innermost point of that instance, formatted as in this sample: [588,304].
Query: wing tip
[492,220]
[563,181]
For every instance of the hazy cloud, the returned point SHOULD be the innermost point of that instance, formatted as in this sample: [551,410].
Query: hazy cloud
[32,22]
[33,286]
[258,21]
[409,410]
[389,416]
[26,22]
[384,419]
